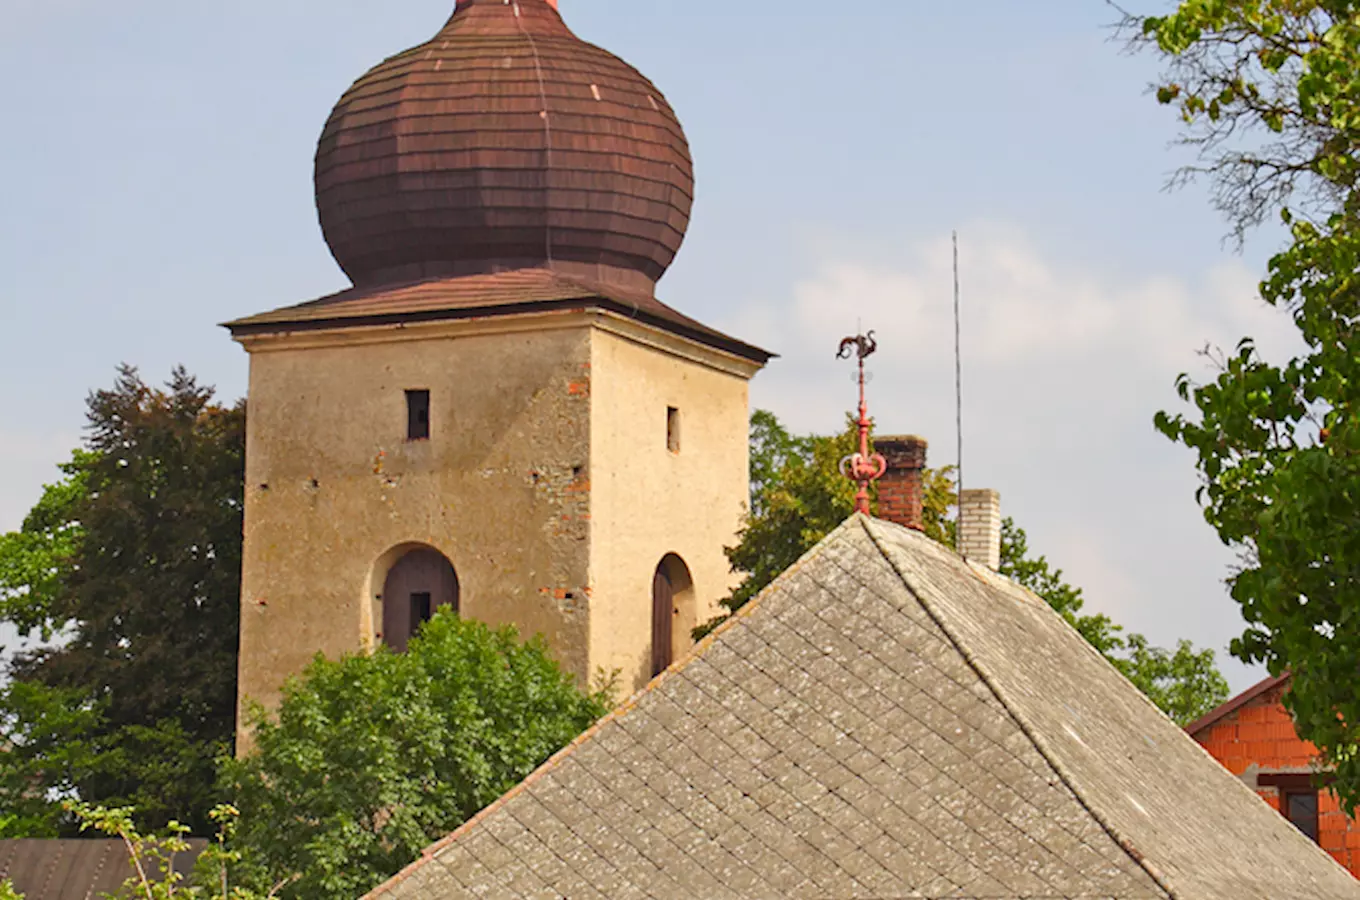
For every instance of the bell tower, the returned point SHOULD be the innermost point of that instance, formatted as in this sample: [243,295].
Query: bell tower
[499,416]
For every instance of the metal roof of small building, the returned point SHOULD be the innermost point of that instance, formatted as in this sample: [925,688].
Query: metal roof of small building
[74,869]
[886,720]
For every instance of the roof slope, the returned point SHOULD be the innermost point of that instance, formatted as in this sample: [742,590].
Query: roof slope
[884,721]
[492,294]
[75,869]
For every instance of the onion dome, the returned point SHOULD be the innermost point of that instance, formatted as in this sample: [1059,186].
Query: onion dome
[504,143]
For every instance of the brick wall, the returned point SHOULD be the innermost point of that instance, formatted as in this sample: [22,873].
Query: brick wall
[1257,741]
[899,490]
[980,534]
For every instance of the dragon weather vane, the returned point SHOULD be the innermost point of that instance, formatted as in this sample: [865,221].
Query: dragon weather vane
[864,467]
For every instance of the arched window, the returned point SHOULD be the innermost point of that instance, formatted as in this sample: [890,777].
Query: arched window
[422,581]
[672,612]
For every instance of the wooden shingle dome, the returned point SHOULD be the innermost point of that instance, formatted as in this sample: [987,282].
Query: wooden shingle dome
[504,143]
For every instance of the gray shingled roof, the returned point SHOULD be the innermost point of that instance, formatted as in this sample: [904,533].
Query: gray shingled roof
[885,721]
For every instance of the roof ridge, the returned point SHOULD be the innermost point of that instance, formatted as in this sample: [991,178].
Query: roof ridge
[429,853]
[1040,745]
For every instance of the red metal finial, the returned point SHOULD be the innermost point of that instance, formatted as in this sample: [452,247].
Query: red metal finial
[864,466]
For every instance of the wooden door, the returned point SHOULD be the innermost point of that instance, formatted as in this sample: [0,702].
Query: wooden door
[421,582]
[663,617]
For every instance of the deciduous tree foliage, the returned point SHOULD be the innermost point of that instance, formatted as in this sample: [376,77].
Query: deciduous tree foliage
[798,497]
[34,559]
[134,559]
[372,758]
[1269,91]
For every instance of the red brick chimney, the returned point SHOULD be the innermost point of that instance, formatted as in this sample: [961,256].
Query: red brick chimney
[900,493]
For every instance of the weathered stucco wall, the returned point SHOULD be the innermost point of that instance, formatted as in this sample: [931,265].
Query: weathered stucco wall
[648,501]
[335,491]
[547,480]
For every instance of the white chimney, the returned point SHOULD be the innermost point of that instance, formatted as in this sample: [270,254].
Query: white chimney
[980,531]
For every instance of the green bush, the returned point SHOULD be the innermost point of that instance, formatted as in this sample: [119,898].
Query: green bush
[371,758]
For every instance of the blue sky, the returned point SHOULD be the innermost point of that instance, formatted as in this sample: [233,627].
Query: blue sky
[156,180]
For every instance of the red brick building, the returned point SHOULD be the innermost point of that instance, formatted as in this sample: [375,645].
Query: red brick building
[1253,736]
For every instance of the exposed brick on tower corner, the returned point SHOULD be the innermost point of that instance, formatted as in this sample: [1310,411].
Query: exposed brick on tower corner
[900,492]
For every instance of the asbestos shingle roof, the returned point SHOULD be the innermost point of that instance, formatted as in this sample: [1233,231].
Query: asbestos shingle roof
[480,296]
[886,721]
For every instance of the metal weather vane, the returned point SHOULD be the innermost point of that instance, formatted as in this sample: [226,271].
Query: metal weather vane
[864,467]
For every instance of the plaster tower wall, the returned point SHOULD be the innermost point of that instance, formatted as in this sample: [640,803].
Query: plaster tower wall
[669,477]
[335,491]
[568,456]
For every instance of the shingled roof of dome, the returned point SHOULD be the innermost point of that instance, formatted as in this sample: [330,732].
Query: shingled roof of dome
[476,296]
[504,142]
[886,720]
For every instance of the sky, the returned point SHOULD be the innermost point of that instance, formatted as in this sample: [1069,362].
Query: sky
[155,180]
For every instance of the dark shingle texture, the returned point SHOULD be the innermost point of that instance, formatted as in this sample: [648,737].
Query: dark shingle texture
[503,142]
[884,722]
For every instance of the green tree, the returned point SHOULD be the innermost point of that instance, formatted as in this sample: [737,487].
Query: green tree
[48,735]
[133,560]
[799,496]
[1268,91]
[7,891]
[35,559]
[371,758]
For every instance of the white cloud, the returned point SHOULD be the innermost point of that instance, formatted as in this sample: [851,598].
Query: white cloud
[1064,367]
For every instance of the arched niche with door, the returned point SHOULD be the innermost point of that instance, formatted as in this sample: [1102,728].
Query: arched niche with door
[674,614]
[413,581]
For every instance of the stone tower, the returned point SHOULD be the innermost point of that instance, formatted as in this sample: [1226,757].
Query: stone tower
[499,415]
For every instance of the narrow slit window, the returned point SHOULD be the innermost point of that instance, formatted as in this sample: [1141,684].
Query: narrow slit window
[673,429]
[421,610]
[417,415]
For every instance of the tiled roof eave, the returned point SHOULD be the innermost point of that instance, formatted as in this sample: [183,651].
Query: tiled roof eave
[1214,716]
[479,297]
[249,327]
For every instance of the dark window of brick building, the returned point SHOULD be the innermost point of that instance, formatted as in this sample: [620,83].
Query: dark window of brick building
[1301,808]
[417,415]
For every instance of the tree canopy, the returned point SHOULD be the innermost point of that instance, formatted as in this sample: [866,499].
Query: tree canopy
[372,758]
[1268,92]
[133,560]
[798,497]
